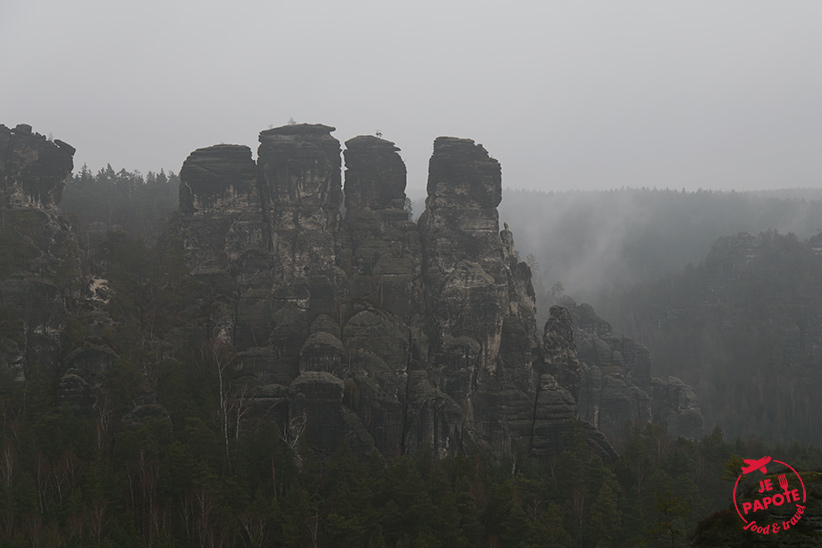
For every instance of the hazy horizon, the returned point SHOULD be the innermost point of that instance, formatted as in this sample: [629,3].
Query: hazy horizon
[566,95]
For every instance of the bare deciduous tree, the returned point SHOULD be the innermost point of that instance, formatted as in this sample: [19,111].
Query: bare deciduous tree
[254,524]
[290,433]
[241,398]
[221,356]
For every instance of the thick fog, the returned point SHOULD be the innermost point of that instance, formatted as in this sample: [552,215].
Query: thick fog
[565,94]
[600,244]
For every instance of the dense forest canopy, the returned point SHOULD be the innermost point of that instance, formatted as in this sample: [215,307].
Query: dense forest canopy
[121,200]
[744,327]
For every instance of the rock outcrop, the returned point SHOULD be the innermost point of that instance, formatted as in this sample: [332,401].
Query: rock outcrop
[33,169]
[52,310]
[383,247]
[384,333]
[382,255]
[220,202]
[616,386]
[39,260]
[481,330]
[363,327]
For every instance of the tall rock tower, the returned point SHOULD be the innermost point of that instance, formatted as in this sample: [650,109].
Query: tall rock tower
[370,328]
[478,296]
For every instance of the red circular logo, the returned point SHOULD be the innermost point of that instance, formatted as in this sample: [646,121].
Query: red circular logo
[786,491]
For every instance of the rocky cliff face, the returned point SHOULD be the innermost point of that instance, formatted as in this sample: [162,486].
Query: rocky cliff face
[394,335]
[221,204]
[39,261]
[616,386]
[385,333]
[480,329]
[33,169]
[366,328]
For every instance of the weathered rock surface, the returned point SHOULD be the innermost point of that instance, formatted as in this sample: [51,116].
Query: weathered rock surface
[221,207]
[300,184]
[38,255]
[560,350]
[481,332]
[367,328]
[383,248]
[385,333]
[43,288]
[33,170]
[616,386]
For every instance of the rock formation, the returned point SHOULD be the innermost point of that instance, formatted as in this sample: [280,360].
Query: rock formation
[38,251]
[43,289]
[365,327]
[384,245]
[221,203]
[33,169]
[616,386]
[384,333]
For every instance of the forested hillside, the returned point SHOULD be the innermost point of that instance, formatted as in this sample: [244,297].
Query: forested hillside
[169,481]
[745,329]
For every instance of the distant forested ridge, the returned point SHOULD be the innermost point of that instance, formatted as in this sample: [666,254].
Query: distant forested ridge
[745,329]
[598,244]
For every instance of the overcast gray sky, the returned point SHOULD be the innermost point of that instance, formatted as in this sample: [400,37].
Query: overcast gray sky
[566,94]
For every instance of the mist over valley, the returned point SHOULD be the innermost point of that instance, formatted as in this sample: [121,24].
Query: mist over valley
[552,278]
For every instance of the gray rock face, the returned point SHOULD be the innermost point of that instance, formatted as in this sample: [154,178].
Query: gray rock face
[677,405]
[220,203]
[33,170]
[385,333]
[560,351]
[616,387]
[382,249]
[39,268]
[299,180]
[482,312]
[221,177]
[461,222]
[469,272]
[382,255]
